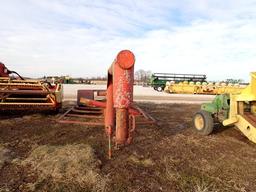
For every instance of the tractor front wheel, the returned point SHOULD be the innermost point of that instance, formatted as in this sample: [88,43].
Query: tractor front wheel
[203,122]
[160,89]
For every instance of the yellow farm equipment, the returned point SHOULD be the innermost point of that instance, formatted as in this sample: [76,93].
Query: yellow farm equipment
[230,109]
[202,88]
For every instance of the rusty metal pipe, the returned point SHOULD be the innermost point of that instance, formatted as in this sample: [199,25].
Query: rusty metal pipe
[109,111]
[92,103]
[122,126]
[120,85]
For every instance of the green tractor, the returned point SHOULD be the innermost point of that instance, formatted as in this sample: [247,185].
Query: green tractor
[157,84]
[216,111]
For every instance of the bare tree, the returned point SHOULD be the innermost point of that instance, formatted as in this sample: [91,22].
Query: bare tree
[234,81]
[142,76]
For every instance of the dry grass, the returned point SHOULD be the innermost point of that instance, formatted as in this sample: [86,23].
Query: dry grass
[192,178]
[140,161]
[188,181]
[69,168]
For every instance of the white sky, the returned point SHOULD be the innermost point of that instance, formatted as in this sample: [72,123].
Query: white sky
[81,38]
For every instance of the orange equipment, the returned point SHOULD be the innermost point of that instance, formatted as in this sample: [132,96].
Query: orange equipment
[119,112]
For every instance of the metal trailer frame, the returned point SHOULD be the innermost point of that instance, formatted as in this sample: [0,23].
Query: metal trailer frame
[29,95]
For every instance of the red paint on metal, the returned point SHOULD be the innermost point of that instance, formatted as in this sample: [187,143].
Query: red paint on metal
[85,116]
[3,70]
[134,112]
[132,126]
[123,80]
[92,103]
[121,77]
[125,59]
[109,111]
[122,126]
[89,94]
[101,93]
[119,111]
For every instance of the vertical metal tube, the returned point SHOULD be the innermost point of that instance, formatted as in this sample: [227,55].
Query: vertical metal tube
[109,111]
[123,78]
[120,94]
[122,125]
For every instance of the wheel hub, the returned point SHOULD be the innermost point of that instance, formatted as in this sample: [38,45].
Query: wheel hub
[199,122]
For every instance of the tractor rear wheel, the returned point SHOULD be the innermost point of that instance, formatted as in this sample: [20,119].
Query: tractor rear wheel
[203,122]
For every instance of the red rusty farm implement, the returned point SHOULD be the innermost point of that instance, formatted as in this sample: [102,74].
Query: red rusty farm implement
[17,93]
[114,108]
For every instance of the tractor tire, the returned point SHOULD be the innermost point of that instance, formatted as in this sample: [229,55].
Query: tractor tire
[203,122]
[159,89]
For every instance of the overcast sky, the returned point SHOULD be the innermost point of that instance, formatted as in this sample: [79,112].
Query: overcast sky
[81,38]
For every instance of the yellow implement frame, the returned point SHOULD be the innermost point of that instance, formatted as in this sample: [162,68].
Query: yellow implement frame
[242,111]
[205,88]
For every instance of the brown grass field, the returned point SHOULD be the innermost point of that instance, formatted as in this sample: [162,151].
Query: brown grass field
[38,154]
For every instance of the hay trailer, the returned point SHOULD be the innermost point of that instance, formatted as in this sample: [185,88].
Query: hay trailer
[230,109]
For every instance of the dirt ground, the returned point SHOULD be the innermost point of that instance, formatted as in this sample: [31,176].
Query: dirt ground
[38,154]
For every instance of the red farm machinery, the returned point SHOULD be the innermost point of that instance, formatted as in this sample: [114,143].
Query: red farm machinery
[112,108]
[17,93]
